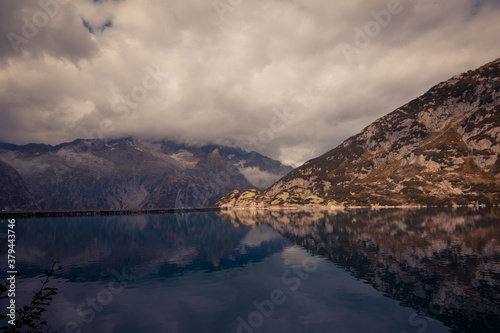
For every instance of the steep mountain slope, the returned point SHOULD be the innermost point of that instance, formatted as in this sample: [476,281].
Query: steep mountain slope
[260,170]
[13,193]
[123,173]
[441,148]
[199,187]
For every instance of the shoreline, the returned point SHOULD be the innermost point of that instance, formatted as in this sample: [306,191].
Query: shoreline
[118,212]
[341,208]
[106,212]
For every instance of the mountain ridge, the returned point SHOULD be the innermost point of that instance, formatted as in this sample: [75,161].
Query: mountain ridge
[439,149]
[124,173]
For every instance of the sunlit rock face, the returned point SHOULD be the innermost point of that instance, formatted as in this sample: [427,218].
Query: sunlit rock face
[439,149]
[442,262]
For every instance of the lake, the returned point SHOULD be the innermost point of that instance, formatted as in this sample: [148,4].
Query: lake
[394,270]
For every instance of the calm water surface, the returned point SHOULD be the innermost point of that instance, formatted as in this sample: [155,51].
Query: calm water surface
[429,270]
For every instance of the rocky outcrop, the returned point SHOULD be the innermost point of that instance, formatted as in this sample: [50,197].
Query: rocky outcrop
[440,149]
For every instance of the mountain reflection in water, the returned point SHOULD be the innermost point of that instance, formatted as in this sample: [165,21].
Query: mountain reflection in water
[445,263]
[395,270]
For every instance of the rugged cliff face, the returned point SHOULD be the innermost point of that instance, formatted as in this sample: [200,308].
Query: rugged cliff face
[129,173]
[200,186]
[440,149]
[13,193]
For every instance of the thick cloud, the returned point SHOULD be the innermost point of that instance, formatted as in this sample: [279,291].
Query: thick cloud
[290,79]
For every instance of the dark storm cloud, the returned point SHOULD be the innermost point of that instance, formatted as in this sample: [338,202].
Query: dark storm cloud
[228,71]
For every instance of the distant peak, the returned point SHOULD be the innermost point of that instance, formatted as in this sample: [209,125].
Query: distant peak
[215,157]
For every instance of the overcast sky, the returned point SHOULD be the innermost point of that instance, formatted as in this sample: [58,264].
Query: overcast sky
[297,76]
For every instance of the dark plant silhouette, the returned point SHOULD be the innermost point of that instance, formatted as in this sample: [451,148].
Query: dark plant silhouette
[28,318]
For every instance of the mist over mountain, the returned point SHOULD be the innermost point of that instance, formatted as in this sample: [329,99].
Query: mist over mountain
[128,173]
[439,149]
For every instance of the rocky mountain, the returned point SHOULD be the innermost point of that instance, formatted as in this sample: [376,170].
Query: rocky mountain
[439,149]
[258,169]
[14,194]
[130,173]
[200,186]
